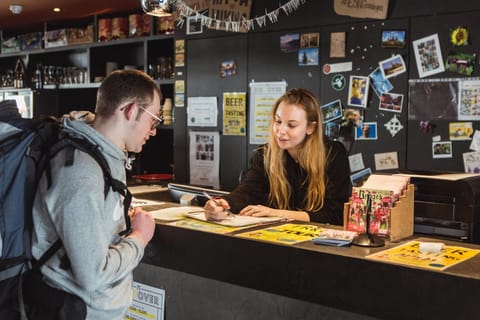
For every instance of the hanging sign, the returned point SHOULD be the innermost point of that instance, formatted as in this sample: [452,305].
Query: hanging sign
[376,9]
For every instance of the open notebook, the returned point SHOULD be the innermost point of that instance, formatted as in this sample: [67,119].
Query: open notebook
[235,221]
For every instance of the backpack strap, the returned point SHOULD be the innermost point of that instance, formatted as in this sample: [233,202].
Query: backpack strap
[70,143]
[110,182]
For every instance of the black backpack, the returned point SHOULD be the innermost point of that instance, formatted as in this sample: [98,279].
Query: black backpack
[26,147]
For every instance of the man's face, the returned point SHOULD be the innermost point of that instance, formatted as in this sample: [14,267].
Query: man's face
[144,125]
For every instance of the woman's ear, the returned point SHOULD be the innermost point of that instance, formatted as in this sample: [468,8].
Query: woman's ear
[311,127]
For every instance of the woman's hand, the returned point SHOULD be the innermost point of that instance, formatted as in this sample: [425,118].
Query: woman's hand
[217,209]
[260,211]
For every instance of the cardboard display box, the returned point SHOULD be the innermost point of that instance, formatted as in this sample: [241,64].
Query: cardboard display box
[400,221]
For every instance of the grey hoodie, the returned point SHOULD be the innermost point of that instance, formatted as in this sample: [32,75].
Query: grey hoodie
[75,210]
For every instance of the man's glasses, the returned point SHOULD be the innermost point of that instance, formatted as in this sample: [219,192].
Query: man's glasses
[156,119]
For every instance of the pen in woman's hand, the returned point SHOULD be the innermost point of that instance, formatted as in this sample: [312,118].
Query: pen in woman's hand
[226,210]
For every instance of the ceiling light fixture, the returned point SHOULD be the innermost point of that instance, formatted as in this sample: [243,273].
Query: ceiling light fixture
[158,8]
[16,8]
[56,10]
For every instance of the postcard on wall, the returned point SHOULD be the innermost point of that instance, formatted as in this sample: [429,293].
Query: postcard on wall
[290,42]
[228,68]
[471,162]
[442,149]
[204,158]
[309,40]
[358,91]
[428,56]
[337,44]
[234,113]
[202,111]
[393,38]
[180,59]
[179,45]
[331,111]
[308,57]
[331,130]
[356,162]
[179,86]
[386,161]
[379,83]
[460,130]
[179,100]
[391,102]
[392,67]
[462,63]
[368,131]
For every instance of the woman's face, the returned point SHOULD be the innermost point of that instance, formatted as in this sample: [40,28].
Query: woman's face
[290,126]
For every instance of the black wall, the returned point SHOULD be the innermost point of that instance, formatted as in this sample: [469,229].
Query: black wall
[259,59]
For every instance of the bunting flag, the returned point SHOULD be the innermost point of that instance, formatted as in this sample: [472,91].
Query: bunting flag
[184,10]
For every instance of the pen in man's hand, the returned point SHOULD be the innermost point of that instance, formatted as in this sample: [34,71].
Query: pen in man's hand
[227,211]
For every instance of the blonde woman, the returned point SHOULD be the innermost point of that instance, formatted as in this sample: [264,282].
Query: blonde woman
[298,174]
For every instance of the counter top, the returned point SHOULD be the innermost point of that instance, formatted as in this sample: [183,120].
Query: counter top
[338,277]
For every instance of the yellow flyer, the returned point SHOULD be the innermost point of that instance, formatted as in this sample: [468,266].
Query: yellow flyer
[410,255]
[287,233]
[203,226]
[234,113]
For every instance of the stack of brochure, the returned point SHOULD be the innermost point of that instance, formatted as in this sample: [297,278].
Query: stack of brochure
[335,237]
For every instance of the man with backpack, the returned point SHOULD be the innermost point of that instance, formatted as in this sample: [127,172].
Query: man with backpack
[92,269]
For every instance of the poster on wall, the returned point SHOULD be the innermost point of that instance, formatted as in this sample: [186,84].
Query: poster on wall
[204,158]
[202,111]
[428,56]
[262,97]
[234,113]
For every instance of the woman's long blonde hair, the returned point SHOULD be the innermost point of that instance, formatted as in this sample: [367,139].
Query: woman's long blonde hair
[311,156]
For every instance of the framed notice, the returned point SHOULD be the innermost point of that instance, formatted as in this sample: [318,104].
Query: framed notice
[428,56]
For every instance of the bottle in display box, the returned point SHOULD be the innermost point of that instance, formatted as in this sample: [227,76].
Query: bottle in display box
[104,30]
[135,25]
[167,112]
[119,28]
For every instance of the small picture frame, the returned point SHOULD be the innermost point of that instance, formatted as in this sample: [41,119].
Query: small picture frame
[194,25]
[393,39]
[331,111]
[379,84]
[367,131]
[442,149]
[428,56]
[310,40]
[308,57]
[392,66]
[391,102]
[358,91]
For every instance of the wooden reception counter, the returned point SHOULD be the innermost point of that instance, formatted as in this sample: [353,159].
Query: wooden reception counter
[215,276]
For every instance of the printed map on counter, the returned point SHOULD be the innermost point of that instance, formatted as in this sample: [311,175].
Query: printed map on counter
[410,255]
[289,233]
